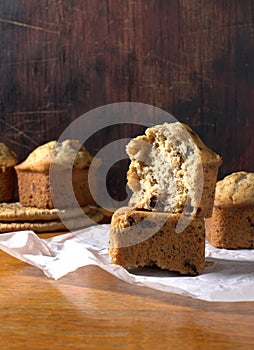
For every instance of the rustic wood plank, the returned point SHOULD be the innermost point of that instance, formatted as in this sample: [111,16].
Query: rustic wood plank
[194,59]
[89,308]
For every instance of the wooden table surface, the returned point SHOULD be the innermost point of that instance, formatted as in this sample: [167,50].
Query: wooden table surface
[90,309]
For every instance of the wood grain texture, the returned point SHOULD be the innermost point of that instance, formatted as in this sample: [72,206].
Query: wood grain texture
[194,59]
[90,309]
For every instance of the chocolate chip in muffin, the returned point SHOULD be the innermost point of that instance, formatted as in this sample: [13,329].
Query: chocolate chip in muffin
[250,221]
[152,201]
[131,221]
[190,266]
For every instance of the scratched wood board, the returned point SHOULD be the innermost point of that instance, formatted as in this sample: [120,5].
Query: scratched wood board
[60,59]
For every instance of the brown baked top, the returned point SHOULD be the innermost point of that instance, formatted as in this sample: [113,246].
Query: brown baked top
[206,154]
[66,154]
[235,189]
[7,157]
[174,132]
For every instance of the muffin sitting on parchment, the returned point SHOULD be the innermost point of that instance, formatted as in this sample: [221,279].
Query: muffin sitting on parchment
[8,160]
[172,175]
[143,238]
[232,223]
[54,168]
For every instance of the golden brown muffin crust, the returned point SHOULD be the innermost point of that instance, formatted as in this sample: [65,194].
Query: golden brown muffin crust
[235,189]
[61,154]
[7,157]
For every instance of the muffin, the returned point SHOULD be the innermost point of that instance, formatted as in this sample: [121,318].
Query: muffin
[55,175]
[8,160]
[232,223]
[172,170]
[141,238]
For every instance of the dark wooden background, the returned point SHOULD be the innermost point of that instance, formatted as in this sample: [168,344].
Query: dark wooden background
[194,59]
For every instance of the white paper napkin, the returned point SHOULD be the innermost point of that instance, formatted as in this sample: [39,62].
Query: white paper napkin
[228,277]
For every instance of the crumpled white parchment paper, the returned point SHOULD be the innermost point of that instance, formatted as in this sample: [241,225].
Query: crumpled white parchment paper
[229,275]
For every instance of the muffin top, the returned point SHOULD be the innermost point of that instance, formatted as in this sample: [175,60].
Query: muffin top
[171,134]
[63,155]
[235,189]
[7,157]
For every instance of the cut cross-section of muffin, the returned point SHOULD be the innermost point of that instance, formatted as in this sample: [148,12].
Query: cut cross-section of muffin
[172,170]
